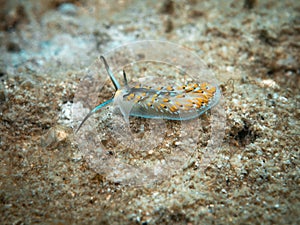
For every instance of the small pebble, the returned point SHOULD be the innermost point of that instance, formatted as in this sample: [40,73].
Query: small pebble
[68,9]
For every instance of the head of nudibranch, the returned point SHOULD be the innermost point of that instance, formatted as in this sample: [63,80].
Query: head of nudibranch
[164,102]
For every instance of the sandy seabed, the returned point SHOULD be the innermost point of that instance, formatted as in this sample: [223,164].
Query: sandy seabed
[251,46]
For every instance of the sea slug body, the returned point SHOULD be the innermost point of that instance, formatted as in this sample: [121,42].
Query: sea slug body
[182,102]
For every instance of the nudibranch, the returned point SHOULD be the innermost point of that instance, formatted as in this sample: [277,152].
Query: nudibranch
[180,102]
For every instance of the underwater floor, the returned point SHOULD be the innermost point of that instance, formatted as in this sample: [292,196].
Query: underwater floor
[237,163]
